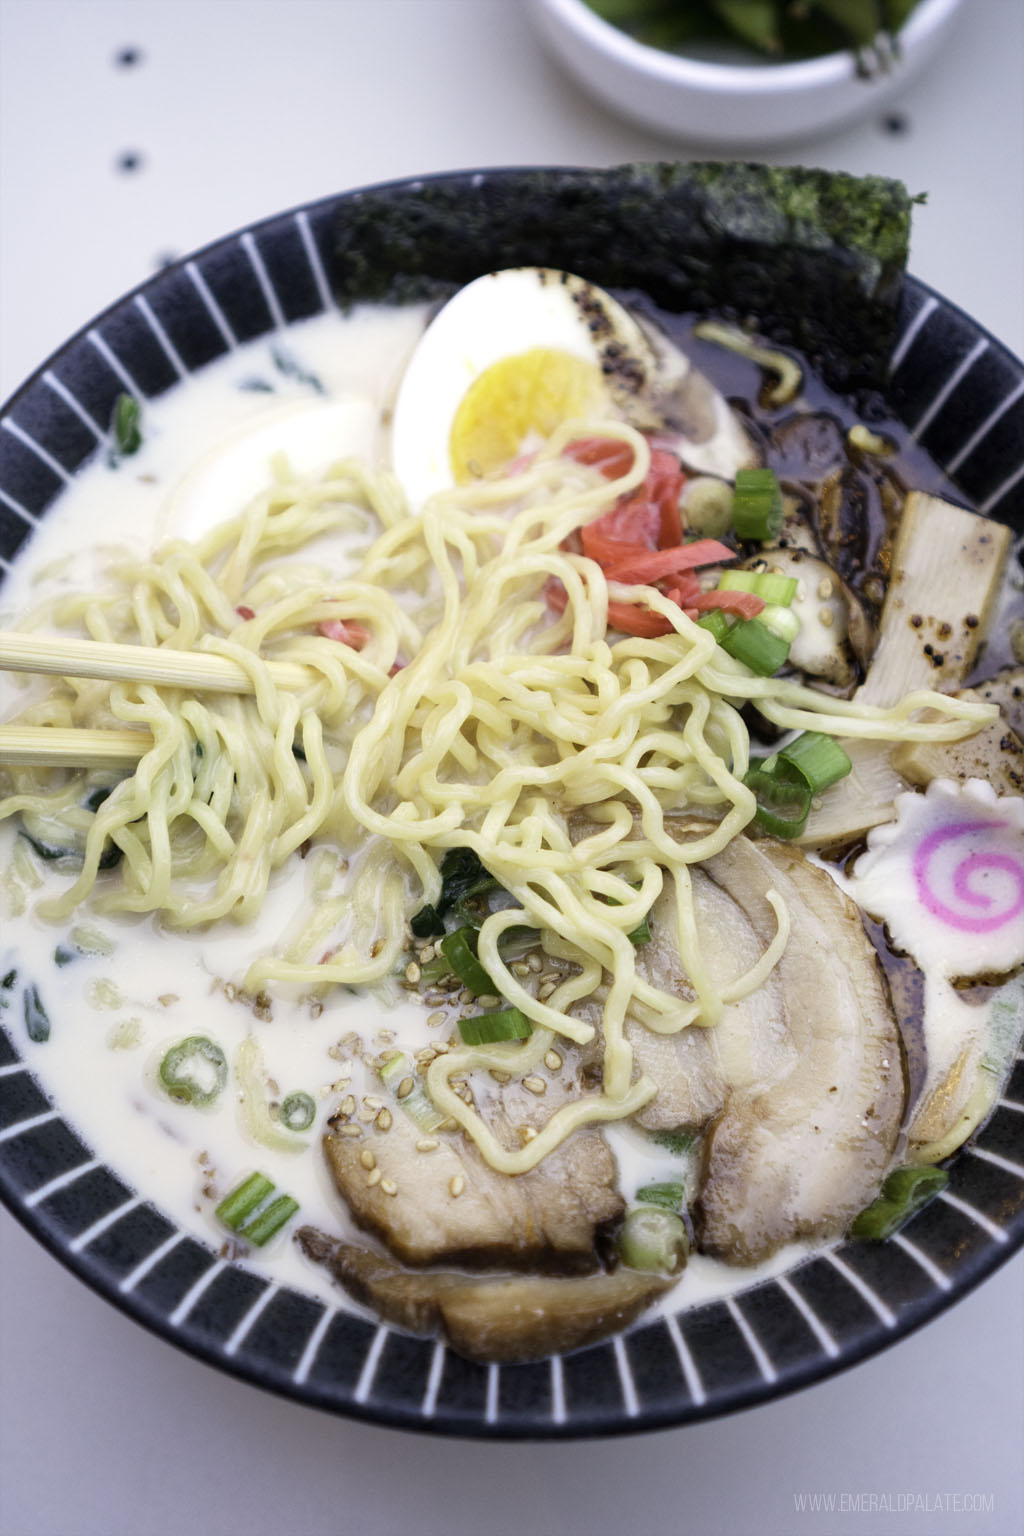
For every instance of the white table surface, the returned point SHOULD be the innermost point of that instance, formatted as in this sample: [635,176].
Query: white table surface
[235,109]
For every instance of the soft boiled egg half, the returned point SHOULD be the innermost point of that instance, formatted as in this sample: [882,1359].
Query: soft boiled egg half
[515,354]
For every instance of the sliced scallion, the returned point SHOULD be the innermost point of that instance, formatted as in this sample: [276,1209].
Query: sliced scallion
[783,799]
[654,1239]
[237,1206]
[298,1111]
[416,1102]
[489,1028]
[904,1192]
[819,759]
[394,1069]
[270,1221]
[757,505]
[459,949]
[125,424]
[716,622]
[707,507]
[782,621]
[756,646]
[771,585]
[194,1071]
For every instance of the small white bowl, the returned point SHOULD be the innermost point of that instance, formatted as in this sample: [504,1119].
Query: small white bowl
[725,104]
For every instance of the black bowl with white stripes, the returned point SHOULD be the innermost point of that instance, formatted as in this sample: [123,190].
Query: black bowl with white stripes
[962,394]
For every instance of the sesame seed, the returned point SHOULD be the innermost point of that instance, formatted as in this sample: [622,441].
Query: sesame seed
[367,1158]
[427,953]
[349,1130]
[488,1000]
[448,1124]
[434,1019]
[826,586]
[373,1177]
[536,964]
[372,1101]
[825,618]
[389,1187]
[553,1061]
[366,1115]
[535,1085]
[551,976]
[427,1144]
[433,997]
[412,973]
[383,1121]
[456,1186]
[545,990]
[405,1087]
[347,1106]
[466,997]
[501,1077]
[519,968]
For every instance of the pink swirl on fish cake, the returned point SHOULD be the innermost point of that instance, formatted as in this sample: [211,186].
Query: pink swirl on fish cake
[986,860]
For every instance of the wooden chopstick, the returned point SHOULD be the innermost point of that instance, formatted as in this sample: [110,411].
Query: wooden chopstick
[47,746]
[138,663]
[54,747]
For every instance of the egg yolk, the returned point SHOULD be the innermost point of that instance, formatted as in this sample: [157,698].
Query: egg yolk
[528,394]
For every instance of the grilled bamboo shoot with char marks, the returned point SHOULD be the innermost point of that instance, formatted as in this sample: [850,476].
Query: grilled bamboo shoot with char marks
[946,574]
[864,799]
[995,754]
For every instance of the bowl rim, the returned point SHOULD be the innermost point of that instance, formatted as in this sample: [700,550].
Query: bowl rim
[919,302]
[760,79]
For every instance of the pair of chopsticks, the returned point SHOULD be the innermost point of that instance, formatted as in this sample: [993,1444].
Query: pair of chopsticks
[54,746]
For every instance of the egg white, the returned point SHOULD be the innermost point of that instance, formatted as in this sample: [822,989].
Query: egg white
[499,315]
[312,437]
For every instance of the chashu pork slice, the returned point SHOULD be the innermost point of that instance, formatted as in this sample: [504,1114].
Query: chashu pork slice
[497,1319]
[446,1205]
[695,1068]
[803,1144]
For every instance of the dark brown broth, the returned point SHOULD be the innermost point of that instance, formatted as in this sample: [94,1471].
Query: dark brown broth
[803,457]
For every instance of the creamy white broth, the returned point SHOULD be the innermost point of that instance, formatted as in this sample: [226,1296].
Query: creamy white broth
[205,452]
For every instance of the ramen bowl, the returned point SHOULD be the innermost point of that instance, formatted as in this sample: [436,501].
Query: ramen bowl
[734,101]
[957,390]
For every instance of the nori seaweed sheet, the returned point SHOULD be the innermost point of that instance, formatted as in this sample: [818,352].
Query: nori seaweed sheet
[815,258]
